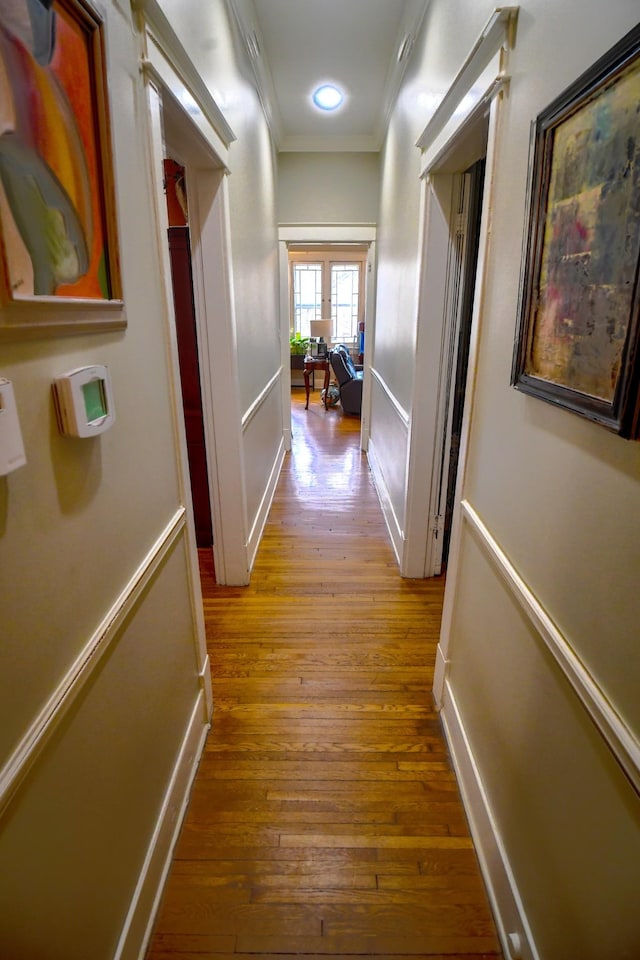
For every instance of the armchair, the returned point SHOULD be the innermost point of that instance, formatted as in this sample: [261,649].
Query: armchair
[349,377]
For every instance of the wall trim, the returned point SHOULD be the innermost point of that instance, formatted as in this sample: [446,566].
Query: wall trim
[394,526]
[327,232]
[389,514]
[138,926]
[484,69]
[397,406]
[217,352]
[168,63]
[257,528]
[260,399]
[48,719]
[508,908]
[616,733]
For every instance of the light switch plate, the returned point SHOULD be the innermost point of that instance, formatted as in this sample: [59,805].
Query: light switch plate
[12,453]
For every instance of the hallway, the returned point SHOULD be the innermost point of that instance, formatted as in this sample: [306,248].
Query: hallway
[325,818]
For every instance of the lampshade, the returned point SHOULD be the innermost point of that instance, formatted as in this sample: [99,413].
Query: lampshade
[321,329]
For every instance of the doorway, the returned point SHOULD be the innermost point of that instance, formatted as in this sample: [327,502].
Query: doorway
[327,289]
[463,281]
[327,282]
[308,236]
[213,355]
[453,205]
[460,241]
[187,341]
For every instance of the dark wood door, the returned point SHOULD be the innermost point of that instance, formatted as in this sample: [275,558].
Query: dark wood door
[190,378]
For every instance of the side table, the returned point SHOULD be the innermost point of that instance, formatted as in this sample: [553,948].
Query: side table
[312,364]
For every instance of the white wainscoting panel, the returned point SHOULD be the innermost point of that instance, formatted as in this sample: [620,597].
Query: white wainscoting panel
[263,453]
[387,453]
[145,902]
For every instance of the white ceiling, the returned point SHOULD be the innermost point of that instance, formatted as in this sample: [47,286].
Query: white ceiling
[362,46]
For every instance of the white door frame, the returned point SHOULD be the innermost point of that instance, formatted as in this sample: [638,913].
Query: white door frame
[173,87]
[481,82]
[457,280]
[326,233]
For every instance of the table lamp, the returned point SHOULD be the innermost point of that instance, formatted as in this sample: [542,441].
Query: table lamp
[321,331]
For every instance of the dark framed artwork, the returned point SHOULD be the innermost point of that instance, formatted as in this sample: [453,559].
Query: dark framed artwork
[58,239]
[577,343]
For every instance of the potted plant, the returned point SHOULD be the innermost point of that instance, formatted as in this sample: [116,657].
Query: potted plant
[298,346]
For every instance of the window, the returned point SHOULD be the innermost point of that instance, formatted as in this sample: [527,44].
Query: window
[307,295]
[345,300]
[328,282]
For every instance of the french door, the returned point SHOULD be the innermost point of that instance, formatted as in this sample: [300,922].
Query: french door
[324,287]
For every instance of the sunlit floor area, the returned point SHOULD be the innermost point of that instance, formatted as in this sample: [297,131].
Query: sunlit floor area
[325,820]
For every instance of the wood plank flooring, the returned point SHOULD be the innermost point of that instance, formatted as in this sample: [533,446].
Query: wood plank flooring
[325,820]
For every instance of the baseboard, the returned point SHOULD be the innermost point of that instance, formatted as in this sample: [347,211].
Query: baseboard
[145,902]
[390,518]
[505,900]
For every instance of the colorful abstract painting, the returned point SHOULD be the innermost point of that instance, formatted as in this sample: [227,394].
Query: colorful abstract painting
[54,195]
[579,317]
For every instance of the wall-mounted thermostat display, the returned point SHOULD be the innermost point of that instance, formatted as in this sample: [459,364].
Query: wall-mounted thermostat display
[11,446]
[84,402]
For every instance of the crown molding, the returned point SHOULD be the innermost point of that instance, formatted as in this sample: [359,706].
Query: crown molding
[243,15]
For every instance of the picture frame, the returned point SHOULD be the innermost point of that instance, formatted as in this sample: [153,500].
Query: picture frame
[59,261]
[577,343]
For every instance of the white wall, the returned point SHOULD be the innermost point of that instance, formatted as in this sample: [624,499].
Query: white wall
[399,225]
[328,187]
[558,502]
[78,524]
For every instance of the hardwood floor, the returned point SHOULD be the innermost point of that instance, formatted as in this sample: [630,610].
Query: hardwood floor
[325,819]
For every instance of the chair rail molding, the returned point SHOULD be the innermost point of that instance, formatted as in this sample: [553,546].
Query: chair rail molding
[618,736]
[395,404]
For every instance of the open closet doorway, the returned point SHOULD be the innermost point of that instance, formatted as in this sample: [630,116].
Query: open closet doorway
[452,238]
[461,282]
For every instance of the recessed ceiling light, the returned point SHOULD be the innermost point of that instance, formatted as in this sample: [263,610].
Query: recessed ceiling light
[327,97]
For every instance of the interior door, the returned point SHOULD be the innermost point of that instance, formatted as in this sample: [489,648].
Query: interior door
[180,255]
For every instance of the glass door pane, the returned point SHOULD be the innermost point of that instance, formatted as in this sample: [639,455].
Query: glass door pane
[307,295]
[345,300]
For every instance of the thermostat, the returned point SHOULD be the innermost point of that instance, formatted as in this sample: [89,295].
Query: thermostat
[84,402]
